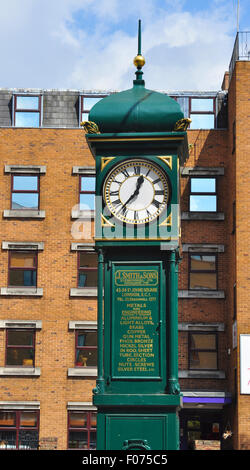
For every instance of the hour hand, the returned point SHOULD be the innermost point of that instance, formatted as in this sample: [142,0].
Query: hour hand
[136,192]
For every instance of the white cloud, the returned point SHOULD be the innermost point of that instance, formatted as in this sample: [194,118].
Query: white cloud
[87,44]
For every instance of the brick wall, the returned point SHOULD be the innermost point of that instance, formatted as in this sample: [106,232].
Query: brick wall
[59,150]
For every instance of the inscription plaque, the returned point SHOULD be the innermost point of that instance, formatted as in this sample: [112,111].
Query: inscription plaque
[136,324]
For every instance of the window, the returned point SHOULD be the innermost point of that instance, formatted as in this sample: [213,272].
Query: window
[24,192]
[87,102]
[87,269]
[203,351]
[202,113]
[202,271]
[82,430]
[87,192]
[20,347]
[86,348]
[19,430]
[22,269]
[27,111]
[203,196]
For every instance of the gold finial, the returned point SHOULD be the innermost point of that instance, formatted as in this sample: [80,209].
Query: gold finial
[139,61]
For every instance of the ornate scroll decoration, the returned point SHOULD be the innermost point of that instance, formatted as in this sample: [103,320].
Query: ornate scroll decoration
[182,124]
[90,127]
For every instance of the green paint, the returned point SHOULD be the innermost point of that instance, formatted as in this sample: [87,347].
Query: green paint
[136,322]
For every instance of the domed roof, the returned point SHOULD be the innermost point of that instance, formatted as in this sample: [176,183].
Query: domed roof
[136,110]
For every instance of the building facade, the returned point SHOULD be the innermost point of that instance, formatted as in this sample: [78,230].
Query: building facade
[48,287]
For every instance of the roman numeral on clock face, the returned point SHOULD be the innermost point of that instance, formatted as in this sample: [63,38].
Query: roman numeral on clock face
[137,170]
[159,192]
[125,173]
[117,202]
[114,193]
[156,203]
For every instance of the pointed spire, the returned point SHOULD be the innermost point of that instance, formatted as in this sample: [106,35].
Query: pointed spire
[139,60]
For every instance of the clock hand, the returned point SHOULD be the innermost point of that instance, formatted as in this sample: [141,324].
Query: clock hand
[138,185]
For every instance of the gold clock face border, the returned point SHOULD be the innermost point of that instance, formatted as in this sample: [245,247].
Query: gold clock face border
[133,161]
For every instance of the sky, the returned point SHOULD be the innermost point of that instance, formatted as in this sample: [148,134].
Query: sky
[90,44]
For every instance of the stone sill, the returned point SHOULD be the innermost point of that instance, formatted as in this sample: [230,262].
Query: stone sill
[82,325]
[22,371]
[34,324]
[83,215]
[201,294]
[202,247]
[202,171]
[23,214]
[20,405]
[32,169]
[82,372]
[208,327]
[83,292]
[24,291]
[201,374]
[202,216]
[35,246]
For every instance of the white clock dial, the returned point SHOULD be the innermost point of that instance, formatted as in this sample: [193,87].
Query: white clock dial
[136,191]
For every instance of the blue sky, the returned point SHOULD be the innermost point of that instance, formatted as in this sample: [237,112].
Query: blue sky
[90,44]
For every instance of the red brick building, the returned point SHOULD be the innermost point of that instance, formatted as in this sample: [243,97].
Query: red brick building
[48,273]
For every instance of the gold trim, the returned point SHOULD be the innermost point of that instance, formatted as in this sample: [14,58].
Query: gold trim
[105,161]
[168,160]
[137,239]
[105,222]
[135,139]
[167,222]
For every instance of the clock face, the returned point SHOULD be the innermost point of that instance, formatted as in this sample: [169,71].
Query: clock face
[136,191]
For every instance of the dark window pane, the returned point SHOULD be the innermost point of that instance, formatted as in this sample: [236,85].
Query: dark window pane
[7,440]
[78,440]
[78,420]
[203,360]
[92,442]
[22,260]
[27,102]
[88,260]
[20,357]
[24,201]
[28,418]
[82,280]
[86,357]
[203,281]
[7,418]
[25,183]
[93,419]
[87,339]
[26,119]
[203,262]
[87,279]
[23,338]
[203,341]
[28,440]
[22,277]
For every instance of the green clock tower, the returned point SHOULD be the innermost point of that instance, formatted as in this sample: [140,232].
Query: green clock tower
[138,139]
